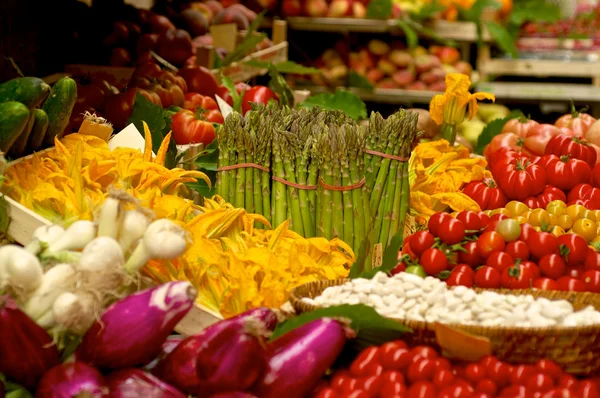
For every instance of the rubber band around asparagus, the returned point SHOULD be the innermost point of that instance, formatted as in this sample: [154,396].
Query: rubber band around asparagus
[242,166]
[294,185]
[386,156]
[344,188]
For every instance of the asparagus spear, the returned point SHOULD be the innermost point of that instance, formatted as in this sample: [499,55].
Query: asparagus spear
[306,212]
[337,146]
[290,142]
[386,216]
[346,148]
[241,172]
[324,199]
[411,135]
[279,193]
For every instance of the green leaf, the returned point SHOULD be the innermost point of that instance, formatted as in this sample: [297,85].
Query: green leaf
[474,13]
[208,158]
[503,38]
[251,40]
[359,265]
[379,9]
[412,38]
[428,11]
[359,81]
[237,98]
[286,67]
[280,87]
[4,218]
[202,188]
[534,11]
[390,257]
[364,320]
[342,100]
[493,129]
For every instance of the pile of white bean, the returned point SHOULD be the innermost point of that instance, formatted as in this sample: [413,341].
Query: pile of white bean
[407,296]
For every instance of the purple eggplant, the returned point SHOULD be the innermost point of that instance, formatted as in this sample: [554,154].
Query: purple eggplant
[233,360]
[73,379]
[179,368]
[298,359]
[135,383]
[26,350]
[168,346]
[131,332]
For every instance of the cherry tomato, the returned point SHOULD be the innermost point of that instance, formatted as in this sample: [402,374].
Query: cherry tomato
[487,386]
[357,394]
[443,377]
[499,372]
[442,363]
[532,267]
[526,231]
[422,389]
[371,384]
[436,221]
[433,261]
[521,373]
[575,272]
[517,250]
[366,363]
[474,372]
[470,255]
[540,381]
[542,243]
[488,278]
[400,267]
[398,359]
[517,277]
[552,266]
[549,367]
[591,280]
[451,231]
[326,393]
[421,241]
[257,94]
[566,380]
[455,391]
[509,229]
[392,389]
[570,284]
[592,260]
[460,279]
[424,351]
[491,225]
[421,371]
[545,284]
[347,385]
[340,378]
[588,389]
[488,242]
[500,261]
[393,376]
[573,248]
[471,221]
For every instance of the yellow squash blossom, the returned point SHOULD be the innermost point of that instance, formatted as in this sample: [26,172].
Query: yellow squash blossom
[449,109]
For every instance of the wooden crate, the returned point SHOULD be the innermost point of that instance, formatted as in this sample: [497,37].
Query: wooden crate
[240,71]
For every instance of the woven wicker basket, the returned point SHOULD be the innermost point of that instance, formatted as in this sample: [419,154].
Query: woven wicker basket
[577,350]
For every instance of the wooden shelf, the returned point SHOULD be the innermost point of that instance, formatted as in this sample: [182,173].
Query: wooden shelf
[383,96]
[459,31]
[542,91]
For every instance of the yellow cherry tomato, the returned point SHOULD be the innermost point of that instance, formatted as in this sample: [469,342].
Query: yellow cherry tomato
[556,207]
[597,212]
[501,210]
[587,229]
[565,222]
[590,215]
[575,211]
[539,218]
[557,231]
[487,212]
[516,208]
[596,239]
[553,219]
[521,219]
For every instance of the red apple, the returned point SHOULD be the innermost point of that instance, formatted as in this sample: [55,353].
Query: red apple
[374,75]
[291,8]
[316,8]
[404,77]
[419,86]
[359,10]
[340,8]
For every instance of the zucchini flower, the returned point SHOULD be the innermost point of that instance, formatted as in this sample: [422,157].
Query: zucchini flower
[450,109]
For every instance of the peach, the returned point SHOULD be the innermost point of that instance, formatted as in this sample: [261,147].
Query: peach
[195,22]
[419,86]
[374,75]
[386,66]
[204,9]
[448,55]
[378,47]
[437,86]
[331,58]
[403,77]
[401,58]
[426,62]
[430,77]
[464,67]
[214,6]
[367,58]
[386,83]
[248,13]
[291,8]
[359,10]
[340,8]
[316,8]
[232,16]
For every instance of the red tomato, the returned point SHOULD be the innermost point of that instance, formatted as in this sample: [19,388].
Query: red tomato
[224,93]
[421,371]
[486,193]
[591,280]
[488,278]
[443,377]
[398,359]
[471,221]
[460,279]
[570,284]
[537,138]
[424,351]
[545,284]
[371,384]
[566,380]
[566,172]
[455,391]
[526,231]
[421,241]
[549,367]
[392,389]
[175,45]
[214,117]
[519,126]
[326,393]
[489,242]
[549,194]
[451,231]
[578,122]
[485,219]
[517,277]
[433,261]
[257,94]
[509,141]
[499,372]
[470,255]
[520,179]
[357,394]
[532,267]
[118,107]
[552,266]
[517,391]
[596,176]
[340,379]
[577,148]
[592,260]
[194,101]
[436,221]
[463,268]
[487,386]
[540,381]
[474,372]
[199,80]
[542,243]
[500,261]
[585,192]
[517,250]
[422,389]
[521,373]
[492,225]
[588,389]
[188,129]
[367,362]
[573,248]
[393,376]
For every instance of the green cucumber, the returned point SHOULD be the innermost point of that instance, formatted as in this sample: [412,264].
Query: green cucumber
[59,107]
[18,147]
[13,120]
[30,91]
[38,132]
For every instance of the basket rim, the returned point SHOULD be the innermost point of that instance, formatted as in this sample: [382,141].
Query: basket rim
[475,329]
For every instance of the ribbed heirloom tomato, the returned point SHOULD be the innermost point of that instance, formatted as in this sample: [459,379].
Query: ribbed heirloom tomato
[486,194]
[578,122]
[575,147]
[565,172]
[187,129]
[520,179]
